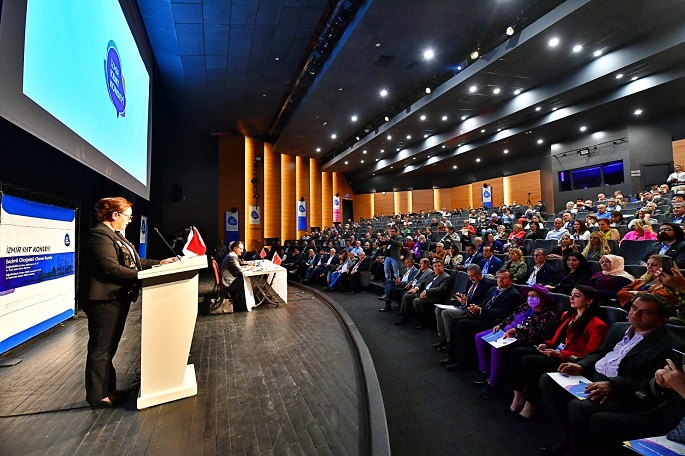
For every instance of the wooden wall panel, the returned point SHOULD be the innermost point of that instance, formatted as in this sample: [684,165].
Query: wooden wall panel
[384,204]
[462,196]
[679,152]
[327,199]
[315,195]
[363,206]
[272,193]
[402,202]
[423,200]
[516,187]
[341,185]
[232,180]
[302,186]
[288,195]
[253,148]
[443,198]
[497,192]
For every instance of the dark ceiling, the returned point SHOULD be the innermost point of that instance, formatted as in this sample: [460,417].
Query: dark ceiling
[229,66]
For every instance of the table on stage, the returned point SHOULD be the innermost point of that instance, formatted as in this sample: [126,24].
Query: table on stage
[260,276]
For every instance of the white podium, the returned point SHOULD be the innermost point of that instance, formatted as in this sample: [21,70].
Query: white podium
[169,312]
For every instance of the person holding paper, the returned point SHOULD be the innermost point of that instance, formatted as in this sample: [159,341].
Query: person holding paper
[532,323]
[580,332]
[620,372]
[107,288]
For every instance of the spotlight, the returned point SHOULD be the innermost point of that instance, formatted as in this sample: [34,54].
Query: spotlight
[577,48]
[474,55]
[554,42]
[428,54]
[333,136]
[318,149]
[510,31]
[517,92]
[423,117]
[583,128]
[597,53]
[496,90]
[638,112]
[384,93]
[506,151]
[354,118]
[408,136]
[428,90]
[477,160]
[540,141]
[472,89]
[444,117]
[389,137]
[387,118]
[346,162]
[454,167]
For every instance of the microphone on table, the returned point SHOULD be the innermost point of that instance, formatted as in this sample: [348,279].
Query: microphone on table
[167,244]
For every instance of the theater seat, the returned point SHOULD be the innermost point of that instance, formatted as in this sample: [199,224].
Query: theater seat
[634,251]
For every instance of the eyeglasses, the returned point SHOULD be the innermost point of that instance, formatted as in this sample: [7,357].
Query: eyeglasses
[129,216]
[665,229]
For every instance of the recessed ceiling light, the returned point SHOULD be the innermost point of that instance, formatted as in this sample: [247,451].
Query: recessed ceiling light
[577,48]
[597,53]
[340,89]
[354,118]
[583,128]
[428,90]
[422,117]
[443,146]
[408,136]
[378,44]
[426,135]
[454,167]
[318,149]
[475,54]
[517,92]
[634,78]
[364,151]
[389,137]
[619,76]
[428,54]
[459,68]
[510,31]
[387,118]
[429,156]
[554,42]
[345,162]
[499,129]
[384,93]
[638,112]
[391,167]
[496,90]
[376,159]
[413,158]
[538,108]
[463,117]
[483,130]
[357,138]
[277,58]
[554,108]
[382,150]
[362,161]
[444,117]
[477,160]
[473,89]
[334,136]
[540,141]
[506,151]
[398,149]
[263,94]
[325,123]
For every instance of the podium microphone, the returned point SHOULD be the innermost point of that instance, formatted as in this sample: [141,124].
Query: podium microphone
[167,244]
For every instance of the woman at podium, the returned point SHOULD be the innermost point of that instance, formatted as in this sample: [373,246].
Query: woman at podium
[108,287]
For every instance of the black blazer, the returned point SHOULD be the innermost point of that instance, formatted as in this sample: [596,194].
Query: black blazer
[105,271]
[637,368]
[546,275]
[494,310]
[365,265]
[478,295]
[675,251]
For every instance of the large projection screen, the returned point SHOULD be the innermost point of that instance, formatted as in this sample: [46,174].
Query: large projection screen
[72,74]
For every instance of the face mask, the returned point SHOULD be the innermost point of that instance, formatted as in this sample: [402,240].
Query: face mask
[533,301]
[663,236]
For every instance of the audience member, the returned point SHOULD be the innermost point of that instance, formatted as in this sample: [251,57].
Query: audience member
[407,302]
[453,258]
[672,243]
[610,279]
[576,272]
[565,246]
[404,283]
[435,291]
[541,272]
[558,230]
[516,265]
[596,247]
[470,257]
[606,229]
[648,283]
[642,231]
[580,230]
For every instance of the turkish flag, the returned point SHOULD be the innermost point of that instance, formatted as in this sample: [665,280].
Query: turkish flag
[195,246]
[276,259]
[262,254]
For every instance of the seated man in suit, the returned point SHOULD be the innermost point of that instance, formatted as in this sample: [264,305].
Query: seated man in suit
[320,260]
[293,260]
[677,213]
[672,243]
[436,291]
[402,284]
[470,257]
[474,292]
[620,371]
[490,264]
[353,279]
[541,272]
[500,302]
[309,262]
[418,285]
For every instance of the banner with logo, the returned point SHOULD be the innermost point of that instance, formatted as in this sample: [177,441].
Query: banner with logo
[37,268]
[487,196]
[231,227]
[336,208]
[142,249]
[301,215]
[254,215]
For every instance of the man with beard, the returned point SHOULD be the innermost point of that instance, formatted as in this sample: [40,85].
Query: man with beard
[672,244]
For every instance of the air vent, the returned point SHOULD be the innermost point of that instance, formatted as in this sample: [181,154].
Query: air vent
[384,61]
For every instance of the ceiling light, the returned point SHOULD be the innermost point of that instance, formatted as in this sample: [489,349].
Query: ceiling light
[398,149]
[477,160]
[540,141]
[496,91]
[378,44]
[554,42]
[428,54]
[473,89]
[634,78]
[577,48]
[517,92]
[333,136]
[619,76]
[423,117]
[382,150]
[463,117]
[483,130]
[538,108]
[425,136]
[392,167]
[364,151]
[474,55]
[554,108]
[583,128]
[408,136]
[444,117]
[428,90]
[506,151]
[345,162]
[443,146]
[277,58]
[459,68]
[510,31]
[429,156]
[597,53]
[318,149]
[499,129]
[638,112]
[354,118]
[340,89]
[384,93]
[413,158]
[389,137]
[362,161]
[376,159]
[387,118]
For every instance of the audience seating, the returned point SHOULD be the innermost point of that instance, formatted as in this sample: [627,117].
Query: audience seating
[611,315]
[634,251]
[548,245]
[636,270]
[563,303]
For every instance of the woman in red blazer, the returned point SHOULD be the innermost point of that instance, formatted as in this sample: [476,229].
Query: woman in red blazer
[580,332]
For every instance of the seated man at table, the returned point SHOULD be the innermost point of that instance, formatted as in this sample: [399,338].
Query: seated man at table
[620,371]
[232,276]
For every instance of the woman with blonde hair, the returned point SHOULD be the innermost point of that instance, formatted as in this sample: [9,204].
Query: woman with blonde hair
[642,231]
[648,283]
[596,247]
[515,265]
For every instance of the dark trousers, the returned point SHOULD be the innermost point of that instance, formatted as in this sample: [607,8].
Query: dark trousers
[462,339]
[527,366]
[106,320]
[237,291]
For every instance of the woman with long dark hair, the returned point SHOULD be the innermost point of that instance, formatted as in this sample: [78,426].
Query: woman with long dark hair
[576,272]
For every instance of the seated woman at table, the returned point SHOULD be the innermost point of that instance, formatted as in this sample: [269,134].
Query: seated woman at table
[232,276]
[576,272]
[610,279]
[580,332]
[648,283]
[533,322]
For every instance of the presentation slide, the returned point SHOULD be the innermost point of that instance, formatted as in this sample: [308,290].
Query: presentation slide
[73,75]
[37,258]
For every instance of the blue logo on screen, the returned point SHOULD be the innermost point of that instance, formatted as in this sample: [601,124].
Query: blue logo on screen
[486,194]
[116,84]
[301,208]
[142,226]
[254,215]
[336,202]
[67,241]
[232,220]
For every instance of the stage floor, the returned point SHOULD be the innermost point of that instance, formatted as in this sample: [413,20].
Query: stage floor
[273,381]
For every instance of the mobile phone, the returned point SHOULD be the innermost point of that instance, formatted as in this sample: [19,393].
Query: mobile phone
[667,265]
[680,360]
[537,347]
